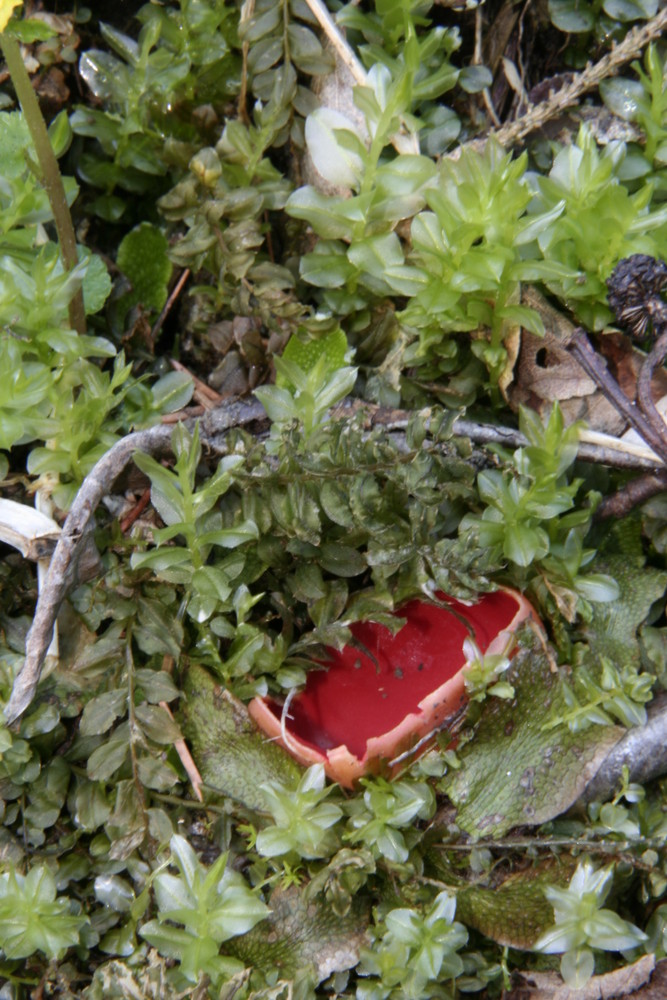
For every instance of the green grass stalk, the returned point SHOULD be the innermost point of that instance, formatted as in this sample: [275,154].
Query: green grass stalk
[51,177]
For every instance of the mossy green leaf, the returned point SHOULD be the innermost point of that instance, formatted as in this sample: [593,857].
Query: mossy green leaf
[304,937]
[234,757]
[518,769]
[96,282]
[30,30]
[612,631]
[306,353]
[142,257]
[14,142]
[512,909]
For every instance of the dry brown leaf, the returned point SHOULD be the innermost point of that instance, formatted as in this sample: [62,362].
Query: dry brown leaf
[545,372]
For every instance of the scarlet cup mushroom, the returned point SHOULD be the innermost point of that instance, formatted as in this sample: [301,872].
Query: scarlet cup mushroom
[377,698]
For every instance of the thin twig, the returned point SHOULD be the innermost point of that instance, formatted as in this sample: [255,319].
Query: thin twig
[625,500]
[168,306]
[338,42]
[134,729]
[203,394]
[600,449]
[183,751]
[402,141]
[549,843]
[654,360]
[648,458]
[138,508]
[477,60]
[247,11]
[187,413]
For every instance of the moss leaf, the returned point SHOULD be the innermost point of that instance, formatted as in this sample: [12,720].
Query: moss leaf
[234,757]
[142,257]
[304,937]
[613,629]
[515,911]
[516,771]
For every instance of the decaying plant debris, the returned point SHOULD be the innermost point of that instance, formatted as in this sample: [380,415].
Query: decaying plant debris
[368,308]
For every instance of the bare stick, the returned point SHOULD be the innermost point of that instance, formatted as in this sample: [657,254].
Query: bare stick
[168,306]
[203,394]
[402,141]
[185,757]
[600,449]
[136,511]
[628,497]
[342,48]
[644,394]
[477,60]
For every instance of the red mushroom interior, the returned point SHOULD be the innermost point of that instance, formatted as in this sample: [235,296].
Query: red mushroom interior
[368,689]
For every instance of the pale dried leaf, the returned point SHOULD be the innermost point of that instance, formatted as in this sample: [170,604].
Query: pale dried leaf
[334,91]
[642,980]
[28,530]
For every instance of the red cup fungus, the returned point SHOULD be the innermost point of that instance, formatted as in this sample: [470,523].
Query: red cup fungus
[375,700]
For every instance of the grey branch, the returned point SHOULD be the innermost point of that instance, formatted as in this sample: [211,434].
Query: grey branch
[643,750]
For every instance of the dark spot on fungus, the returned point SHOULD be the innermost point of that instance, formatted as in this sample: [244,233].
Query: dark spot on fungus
[398,673]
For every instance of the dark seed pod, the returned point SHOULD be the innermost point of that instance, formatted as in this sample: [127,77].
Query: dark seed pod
[635,288]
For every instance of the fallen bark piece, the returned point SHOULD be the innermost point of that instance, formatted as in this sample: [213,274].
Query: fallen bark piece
[643,750]
[385,694]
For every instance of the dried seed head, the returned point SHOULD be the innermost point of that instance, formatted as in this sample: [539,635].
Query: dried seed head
[635,288]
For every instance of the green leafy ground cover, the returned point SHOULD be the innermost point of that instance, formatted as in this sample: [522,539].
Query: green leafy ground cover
[398,282]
